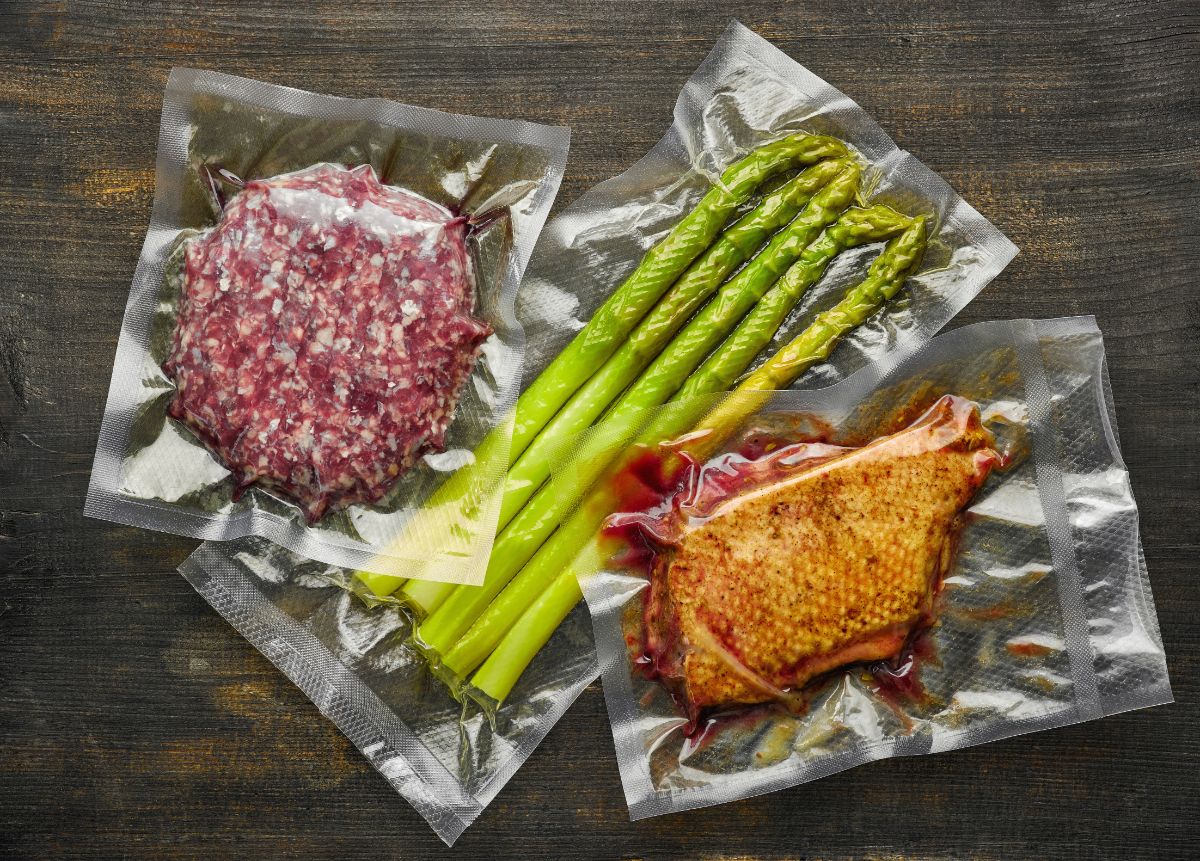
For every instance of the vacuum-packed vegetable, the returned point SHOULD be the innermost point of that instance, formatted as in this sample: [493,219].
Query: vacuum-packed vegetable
[774,236]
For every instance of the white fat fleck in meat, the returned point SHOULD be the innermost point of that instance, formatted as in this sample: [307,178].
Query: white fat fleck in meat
[430,243]
[410,309]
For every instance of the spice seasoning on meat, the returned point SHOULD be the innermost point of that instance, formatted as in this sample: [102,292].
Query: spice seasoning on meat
[772,571]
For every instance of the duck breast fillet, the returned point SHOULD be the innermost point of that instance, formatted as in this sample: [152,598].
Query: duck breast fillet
[829,565]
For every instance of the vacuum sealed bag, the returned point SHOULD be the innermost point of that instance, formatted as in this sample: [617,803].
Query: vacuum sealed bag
[321,327]
[769,200]
[940,551]
[447,759]
[772,205]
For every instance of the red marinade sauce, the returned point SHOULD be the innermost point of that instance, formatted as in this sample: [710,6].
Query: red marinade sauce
[1028,649]
[644,483]
[898,682]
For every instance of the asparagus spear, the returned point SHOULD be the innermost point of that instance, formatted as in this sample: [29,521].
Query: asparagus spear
[521,644]
[839,179]
[611,324]
[733,247]
[717,374]
[518,542]
[504,666]
[814,344]
[662,264]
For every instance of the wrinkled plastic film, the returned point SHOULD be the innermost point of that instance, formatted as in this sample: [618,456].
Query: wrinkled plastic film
[1045,618]
[444,757]
[745,94]
[217,131]
[1120,623]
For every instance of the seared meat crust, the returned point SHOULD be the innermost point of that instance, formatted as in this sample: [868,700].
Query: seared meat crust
[831,565]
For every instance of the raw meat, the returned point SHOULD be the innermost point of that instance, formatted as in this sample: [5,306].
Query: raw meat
[325,332]
[831,564]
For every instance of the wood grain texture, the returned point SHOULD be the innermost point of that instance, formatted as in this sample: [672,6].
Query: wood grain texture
[135,723]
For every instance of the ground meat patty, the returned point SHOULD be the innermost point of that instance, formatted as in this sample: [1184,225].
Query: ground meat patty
[325,332]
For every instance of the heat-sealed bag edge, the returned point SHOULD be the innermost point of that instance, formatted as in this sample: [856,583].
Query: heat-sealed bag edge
[382,738]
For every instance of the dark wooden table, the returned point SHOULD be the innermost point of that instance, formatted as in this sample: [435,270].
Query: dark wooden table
[135,723]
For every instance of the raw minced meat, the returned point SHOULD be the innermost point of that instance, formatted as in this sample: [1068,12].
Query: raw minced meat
[325,332]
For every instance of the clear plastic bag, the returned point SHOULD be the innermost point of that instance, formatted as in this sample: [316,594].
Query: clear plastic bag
[747,92]
[744,94]
[1044,617]
[448,759]
[445,207]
